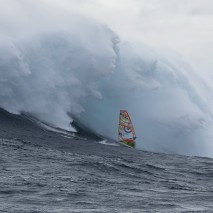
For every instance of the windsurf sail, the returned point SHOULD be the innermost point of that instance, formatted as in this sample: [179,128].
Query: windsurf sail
[126,132]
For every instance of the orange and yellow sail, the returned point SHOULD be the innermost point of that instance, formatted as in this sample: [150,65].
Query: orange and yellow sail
[126,132]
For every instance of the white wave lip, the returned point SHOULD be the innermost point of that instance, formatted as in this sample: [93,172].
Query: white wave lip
[84,71]
[165,100]
[49,73]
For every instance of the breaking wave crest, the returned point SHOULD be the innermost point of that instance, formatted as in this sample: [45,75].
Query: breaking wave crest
[80,69]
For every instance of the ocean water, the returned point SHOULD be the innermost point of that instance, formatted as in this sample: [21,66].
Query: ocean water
[45,171]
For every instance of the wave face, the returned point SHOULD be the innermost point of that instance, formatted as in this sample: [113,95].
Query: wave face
[77,67]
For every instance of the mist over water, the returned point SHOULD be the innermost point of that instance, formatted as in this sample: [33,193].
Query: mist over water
[55,64]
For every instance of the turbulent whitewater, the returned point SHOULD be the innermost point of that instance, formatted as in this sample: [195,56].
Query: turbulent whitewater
[80,69]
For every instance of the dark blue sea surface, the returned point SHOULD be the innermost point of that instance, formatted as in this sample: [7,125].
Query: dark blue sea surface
[45,171]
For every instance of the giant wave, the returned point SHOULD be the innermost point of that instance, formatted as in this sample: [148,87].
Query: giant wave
[82,69]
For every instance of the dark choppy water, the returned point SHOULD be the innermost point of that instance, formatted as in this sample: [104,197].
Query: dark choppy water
[43,171]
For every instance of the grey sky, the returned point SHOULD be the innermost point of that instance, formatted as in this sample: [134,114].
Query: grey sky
[185,26]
